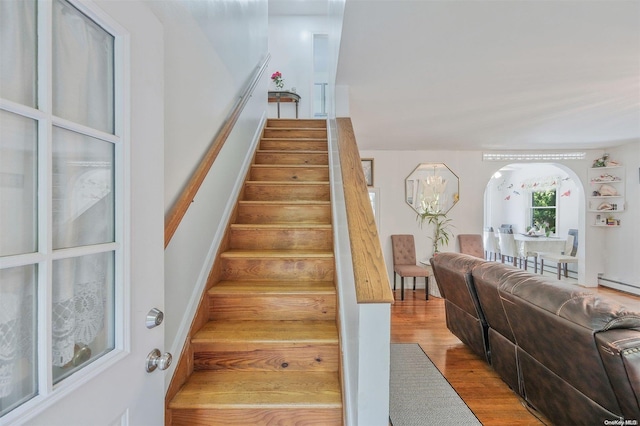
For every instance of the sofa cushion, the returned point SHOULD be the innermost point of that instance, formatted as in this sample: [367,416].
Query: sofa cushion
[620,352]
[557,399]
[556,324]
[567,301]
[488,278]
[464,316]
[453,276]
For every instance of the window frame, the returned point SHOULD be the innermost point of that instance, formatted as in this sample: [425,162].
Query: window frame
[48,392]
[533,208]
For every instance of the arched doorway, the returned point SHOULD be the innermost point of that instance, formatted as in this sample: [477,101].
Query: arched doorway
[512,199]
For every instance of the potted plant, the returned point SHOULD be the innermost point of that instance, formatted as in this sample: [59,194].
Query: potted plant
[276,77]
[441,231]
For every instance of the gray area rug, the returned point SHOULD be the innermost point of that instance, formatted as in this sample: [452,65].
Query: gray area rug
[419,393]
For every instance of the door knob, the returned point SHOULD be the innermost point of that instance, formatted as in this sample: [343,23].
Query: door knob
[156,360]
[154,318]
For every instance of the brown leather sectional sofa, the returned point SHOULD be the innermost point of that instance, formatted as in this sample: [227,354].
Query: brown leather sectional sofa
[569,353]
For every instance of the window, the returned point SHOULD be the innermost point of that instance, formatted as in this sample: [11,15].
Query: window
[320,74]
[543,210]
[60,185]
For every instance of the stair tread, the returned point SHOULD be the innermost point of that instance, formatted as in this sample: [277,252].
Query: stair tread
[291,166]
[274,287]
[286,202]
[293,139]
[283,331]
[267,127]
[291,225]
[276,254]
[296,152]
[316,122]
[259,389]
[287,182]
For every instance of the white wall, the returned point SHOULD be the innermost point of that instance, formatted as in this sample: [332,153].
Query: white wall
[291,48]
[621,250]
[396,217]
[211,50]
[207,63]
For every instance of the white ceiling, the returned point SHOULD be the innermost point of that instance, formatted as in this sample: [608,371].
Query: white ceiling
[298,7]
[490,74]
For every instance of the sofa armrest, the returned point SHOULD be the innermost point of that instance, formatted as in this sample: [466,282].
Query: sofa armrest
[620,352]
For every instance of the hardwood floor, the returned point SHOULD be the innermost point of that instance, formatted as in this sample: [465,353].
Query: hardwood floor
[416,320]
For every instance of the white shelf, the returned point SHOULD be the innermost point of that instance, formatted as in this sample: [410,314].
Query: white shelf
[606,168]
[613,176]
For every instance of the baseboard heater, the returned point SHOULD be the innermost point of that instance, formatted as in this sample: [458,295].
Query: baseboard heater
[619,285]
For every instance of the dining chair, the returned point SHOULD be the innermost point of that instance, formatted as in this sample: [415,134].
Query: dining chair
[506,227]
[405,265]
[508,247]
[490,243]
[471,244]
[569,255]
[526,255]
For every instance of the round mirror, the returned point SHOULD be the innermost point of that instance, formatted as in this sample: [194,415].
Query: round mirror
[432,188]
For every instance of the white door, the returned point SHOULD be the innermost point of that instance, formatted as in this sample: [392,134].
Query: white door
[81,212]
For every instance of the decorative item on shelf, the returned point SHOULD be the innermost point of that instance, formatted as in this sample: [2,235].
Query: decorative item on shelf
[605,177]
[606,206]
[276,77]
[605,161]
[598,162]
[606,190]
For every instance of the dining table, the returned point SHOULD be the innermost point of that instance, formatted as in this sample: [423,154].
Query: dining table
[539,243]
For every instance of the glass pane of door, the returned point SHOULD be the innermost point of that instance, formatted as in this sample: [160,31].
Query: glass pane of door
[18,40]
[82,190]
[18,184]
[83,306]
[18,362]
[56,182]
[83,79]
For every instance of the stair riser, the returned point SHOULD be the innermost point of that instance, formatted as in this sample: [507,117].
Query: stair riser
[280,239]
[257,416]
[286,174]
[295,133]
[293,145]
[277,269]
[315,158]
[273,307]
[275,192]
[266,214]
[275,357]
[289,123]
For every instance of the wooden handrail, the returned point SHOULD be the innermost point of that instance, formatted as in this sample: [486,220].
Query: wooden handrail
[369,269]
[179,209]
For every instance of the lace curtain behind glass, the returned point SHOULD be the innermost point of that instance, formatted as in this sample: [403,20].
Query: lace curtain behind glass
[83,200]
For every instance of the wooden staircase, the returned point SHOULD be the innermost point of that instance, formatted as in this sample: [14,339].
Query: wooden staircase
[268,351]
